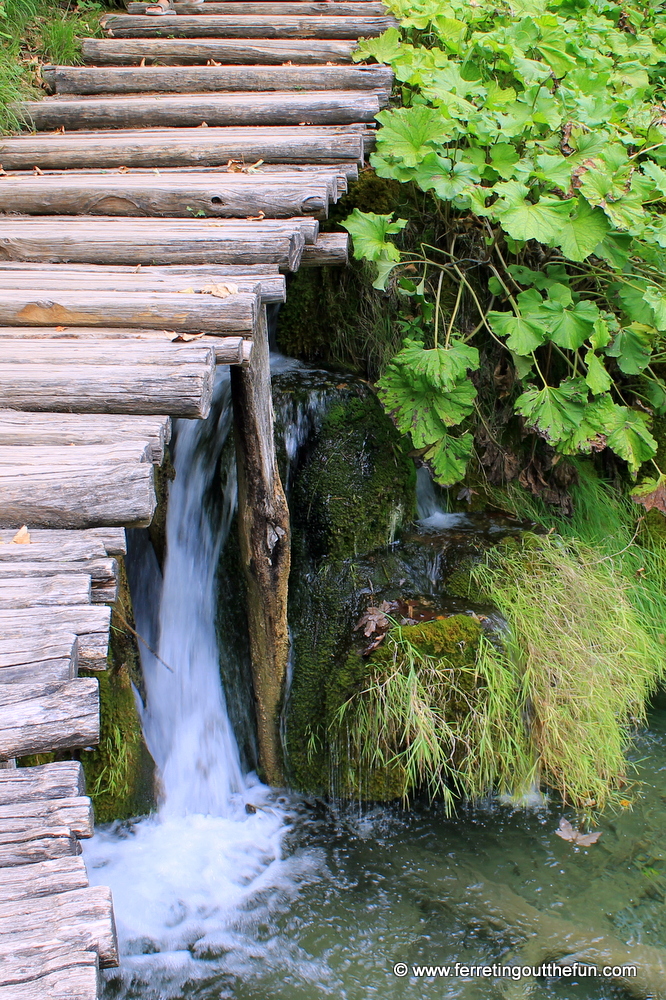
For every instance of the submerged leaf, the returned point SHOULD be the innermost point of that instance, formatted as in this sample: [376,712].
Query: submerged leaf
[567,832]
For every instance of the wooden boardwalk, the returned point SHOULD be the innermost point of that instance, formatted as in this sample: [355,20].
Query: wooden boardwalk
[146,224]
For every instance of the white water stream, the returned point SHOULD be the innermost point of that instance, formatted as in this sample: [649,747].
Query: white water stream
[180,878]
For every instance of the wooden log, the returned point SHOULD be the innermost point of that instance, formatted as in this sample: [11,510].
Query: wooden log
[321,107]
[185,196]
[88,621]
[74,813]
[60,590]
[49,671]
[228,350]
[188,79]
[237,26]
[246,51]
[234,314]
[42,879]
[21,847]
[177,147]
[62,719]
[290,8]
[72,428]
[51,972]
[82,918]
[63,779]
[269,286]
[330,250]
[78,454]
[57,656]
[113,539]
[102,572]
[264,533]
[148,241]
[76,496]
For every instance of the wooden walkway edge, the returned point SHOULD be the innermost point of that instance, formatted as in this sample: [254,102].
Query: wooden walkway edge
[145,226]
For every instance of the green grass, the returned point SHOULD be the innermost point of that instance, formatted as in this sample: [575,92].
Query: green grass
[34,32]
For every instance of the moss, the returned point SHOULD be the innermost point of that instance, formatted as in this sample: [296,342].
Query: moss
[357,486]
[369,193]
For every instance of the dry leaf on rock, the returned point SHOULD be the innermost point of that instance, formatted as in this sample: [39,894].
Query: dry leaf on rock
[185,338]
[220,289]
[374,619]
[567,832]
[22,536]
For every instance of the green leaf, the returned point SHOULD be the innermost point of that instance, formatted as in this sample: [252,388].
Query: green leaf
[630,438]
[597,377]
[552,412]
[656,299]
[504,157]
[581,234]
[441,366]
[369,232]
[526,221]
[449,458]
[385,49]
[409,134]
[633,349]
[523,335]
[570,326]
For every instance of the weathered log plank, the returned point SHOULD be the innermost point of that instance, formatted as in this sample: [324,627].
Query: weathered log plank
[114,52]
[154,148]
[21,847]
[61,780]
[149,241]
[74,813]
[321,107]
[184,195]
[235,314]
[228,350]
[291,8]
[29,649]
[86,454]
[59,590]
[61,719]
[270,286]
[82,918]
[50,972]
[41,879]
[195,79]
[89,622]
[182,390]
[103,574]
[50,671]
[72,428]
[238,26]
[76,496]
[113,539]
[330,250]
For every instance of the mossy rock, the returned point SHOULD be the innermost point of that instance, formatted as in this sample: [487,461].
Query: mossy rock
[321,761]
[357,486]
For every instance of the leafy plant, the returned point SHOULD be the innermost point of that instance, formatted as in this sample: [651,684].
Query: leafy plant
[537,129]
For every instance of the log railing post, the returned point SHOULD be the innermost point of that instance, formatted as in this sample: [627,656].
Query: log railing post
[263,519]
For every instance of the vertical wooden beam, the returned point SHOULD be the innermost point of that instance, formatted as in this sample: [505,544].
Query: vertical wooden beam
[263,520]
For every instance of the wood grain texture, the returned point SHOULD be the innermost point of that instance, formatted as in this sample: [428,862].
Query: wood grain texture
[113,539]
[245,51]
[186,196]
[239,26]
[62,717]
[323,107]
[195,79]
[22,428]
[78,454]
[82,918]
[21,847]
[56,658]
[89,622]
[75,813]
[174,147]
[290,8]
[228,350]
[51,972]
[236,314]
[153,241]
[330,250]
[61,780]
[43,878]
[57,590]
[77,496]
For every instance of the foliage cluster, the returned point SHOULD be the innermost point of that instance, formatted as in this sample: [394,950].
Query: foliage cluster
[33,32]
[538,129]
[555,700]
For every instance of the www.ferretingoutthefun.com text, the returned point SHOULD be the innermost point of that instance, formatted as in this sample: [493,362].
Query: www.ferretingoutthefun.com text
[549,970]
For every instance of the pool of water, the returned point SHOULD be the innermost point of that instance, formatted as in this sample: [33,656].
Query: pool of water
[299,901]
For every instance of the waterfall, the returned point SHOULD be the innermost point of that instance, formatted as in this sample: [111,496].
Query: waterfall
[179,877]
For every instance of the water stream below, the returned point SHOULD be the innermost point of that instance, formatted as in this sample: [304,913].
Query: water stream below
[297,899]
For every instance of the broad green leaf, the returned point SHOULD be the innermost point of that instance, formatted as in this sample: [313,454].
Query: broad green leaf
[441,366]
[656,174]
[504,157]
[552,412]
[583,231]
[526,221]
[656,393]
[523,335]
[449,458]
[656,299]
[369,232]
[630,438]
[570,326]
[409,134]
[597,377]
[385,48]
[632,347]
[454,404]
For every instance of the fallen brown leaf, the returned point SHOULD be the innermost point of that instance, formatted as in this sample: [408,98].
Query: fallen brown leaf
[22,536]
[567,832]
